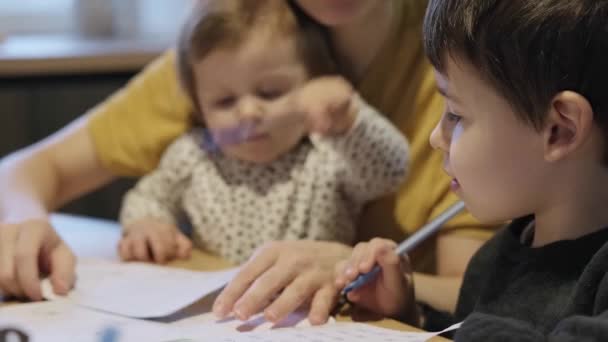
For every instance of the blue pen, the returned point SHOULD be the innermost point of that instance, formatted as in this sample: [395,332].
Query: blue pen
[409,244]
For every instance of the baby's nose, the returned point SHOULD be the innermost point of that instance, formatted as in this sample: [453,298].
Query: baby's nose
[250,108]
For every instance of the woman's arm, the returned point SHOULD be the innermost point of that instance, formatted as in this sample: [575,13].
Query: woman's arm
[50,173]
[34,181]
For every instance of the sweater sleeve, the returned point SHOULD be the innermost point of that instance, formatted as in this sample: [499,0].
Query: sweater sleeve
[132,128]
[372,157]
[158,194]
[484,327]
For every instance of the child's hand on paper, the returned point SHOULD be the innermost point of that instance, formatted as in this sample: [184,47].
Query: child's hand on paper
[391,293]
[152,240]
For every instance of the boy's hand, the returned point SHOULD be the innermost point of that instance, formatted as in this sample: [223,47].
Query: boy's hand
[153,240]
[330,103]
[391,292]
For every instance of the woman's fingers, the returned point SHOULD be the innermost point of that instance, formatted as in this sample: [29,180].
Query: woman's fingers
[257,265]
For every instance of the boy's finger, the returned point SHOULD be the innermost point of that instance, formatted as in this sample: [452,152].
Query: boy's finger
[376,248]
[361,292]
[392,271]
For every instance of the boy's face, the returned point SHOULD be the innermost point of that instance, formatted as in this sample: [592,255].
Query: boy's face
[247,83]
[496,161]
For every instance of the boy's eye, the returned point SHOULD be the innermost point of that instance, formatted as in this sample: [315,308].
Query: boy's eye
[452,118]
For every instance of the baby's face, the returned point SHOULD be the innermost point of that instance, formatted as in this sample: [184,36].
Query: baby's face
[247,84]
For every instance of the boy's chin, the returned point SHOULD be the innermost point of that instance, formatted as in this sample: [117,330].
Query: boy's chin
[487,215]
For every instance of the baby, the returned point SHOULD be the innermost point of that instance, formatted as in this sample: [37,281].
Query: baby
[314,155]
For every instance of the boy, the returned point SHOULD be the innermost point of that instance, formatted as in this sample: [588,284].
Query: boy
[524,136]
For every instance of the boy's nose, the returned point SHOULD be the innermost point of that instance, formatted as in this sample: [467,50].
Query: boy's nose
[438,138]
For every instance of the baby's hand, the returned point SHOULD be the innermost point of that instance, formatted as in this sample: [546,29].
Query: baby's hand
[391,292]
[330,103]
[152,240]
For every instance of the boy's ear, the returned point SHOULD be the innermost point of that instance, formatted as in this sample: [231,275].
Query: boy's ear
[568,125]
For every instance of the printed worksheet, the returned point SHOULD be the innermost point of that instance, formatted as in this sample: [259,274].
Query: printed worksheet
[197,319]
[138,290]
[339,332]
[61,320]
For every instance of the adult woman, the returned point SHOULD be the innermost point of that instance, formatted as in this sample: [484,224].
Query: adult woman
[378,45]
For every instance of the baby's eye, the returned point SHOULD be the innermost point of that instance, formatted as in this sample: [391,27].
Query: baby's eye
[225,102]
[270,94]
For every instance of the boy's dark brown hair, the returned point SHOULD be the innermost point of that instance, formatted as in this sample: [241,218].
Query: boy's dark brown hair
[528,50]
[227,23]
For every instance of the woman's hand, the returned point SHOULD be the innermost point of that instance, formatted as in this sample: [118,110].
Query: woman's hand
[28,249]
[282,276]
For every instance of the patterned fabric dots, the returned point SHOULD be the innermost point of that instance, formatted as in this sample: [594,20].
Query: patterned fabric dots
[314,192]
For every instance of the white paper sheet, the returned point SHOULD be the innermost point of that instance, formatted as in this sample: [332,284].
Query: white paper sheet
[138,290]
[203,323]
[339,332]
[198,320]
[60,321]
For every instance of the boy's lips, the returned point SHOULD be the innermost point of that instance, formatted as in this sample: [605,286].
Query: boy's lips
[454,184]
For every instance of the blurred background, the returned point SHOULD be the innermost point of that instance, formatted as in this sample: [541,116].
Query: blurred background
[59,58]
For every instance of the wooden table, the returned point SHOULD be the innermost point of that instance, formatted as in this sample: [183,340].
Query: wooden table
[98,238]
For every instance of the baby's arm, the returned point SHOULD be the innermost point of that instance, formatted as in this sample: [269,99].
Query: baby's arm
[150,211]
[372,155]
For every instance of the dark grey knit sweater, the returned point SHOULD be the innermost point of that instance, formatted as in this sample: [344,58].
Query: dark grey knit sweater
[558,292]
